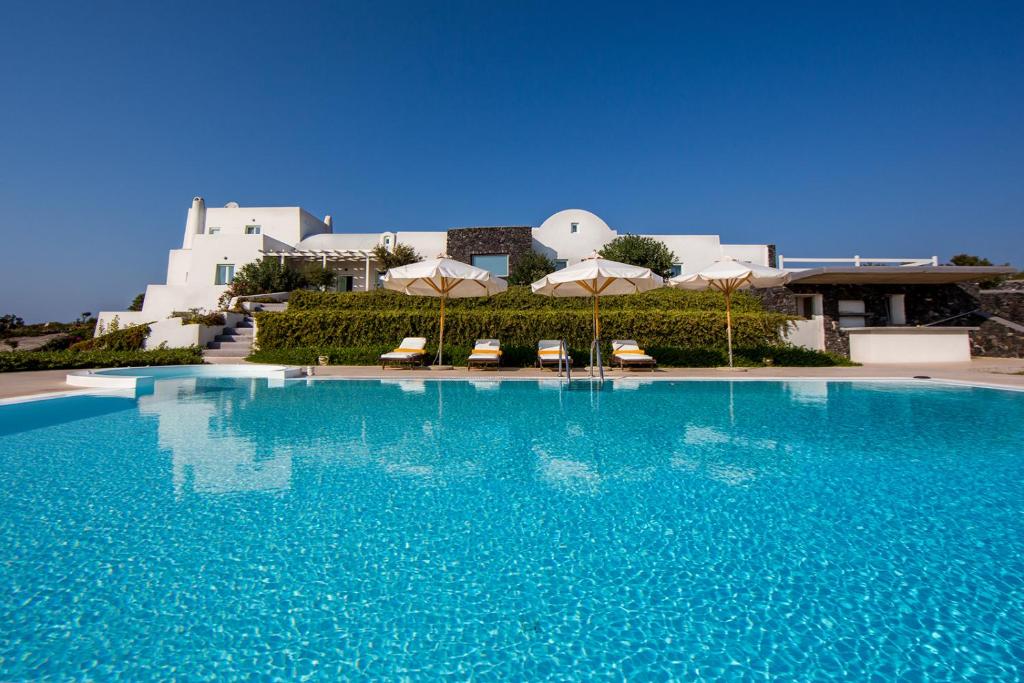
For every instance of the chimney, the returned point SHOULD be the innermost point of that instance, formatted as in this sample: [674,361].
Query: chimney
[195,224]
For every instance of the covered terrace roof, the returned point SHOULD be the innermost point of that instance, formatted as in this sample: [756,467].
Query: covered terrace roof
[896,275]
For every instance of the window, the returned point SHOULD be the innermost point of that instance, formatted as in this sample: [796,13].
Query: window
[805,306]
[225,274]
[897,309]
[212,231]
[851,313]
[677,269]
[497,264]
[574,228]
[560,263]
[252,230]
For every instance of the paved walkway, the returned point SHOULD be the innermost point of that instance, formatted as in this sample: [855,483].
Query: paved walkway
[994,371]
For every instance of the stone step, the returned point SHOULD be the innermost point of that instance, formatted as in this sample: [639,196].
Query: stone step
[274,308]
[225,353]
[243,348]
[233,337]
[238,331]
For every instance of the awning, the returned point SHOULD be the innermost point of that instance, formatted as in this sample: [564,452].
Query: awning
[896,275]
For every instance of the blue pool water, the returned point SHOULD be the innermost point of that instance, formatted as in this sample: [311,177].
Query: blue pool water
[224,528]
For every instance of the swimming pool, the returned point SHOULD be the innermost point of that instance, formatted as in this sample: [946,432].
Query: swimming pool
[425,529]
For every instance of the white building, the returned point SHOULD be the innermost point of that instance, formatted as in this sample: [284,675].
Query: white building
[219,241]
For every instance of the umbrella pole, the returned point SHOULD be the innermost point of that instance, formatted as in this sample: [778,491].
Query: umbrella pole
[728,321]
[440,340]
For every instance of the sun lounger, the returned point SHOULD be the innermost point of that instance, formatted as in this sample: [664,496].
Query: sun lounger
[486,353]
[549,351]
[627,353]
[410,352]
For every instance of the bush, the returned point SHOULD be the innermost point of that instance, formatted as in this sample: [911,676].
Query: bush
[195,316]
[19,361]
[400,255]
[130,338]
[530,267]
[520,298]
[341,328]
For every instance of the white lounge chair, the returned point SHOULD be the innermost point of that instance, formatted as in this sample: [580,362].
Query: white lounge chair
[410,352]
[549,351]
[486,352]
[627,353]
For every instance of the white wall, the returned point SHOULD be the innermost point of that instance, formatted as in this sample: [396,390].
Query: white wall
[910,345]
[289,224]
[557,240]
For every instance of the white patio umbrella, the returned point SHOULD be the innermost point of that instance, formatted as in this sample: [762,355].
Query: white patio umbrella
[444,278]
[596,277]
[727,275]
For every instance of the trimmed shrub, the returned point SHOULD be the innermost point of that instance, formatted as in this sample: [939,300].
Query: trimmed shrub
[520,298]
[195,316]
[341,328]
[125,339]
[18,361]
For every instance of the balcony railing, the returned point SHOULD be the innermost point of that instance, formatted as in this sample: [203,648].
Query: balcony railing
[859,261]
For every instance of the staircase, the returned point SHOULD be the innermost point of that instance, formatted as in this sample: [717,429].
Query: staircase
[233,344]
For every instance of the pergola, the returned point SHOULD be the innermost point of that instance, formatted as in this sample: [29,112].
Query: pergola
[325,256]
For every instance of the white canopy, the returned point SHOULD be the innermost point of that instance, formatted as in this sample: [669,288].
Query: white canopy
[597,277]
[729,274]
[443,277]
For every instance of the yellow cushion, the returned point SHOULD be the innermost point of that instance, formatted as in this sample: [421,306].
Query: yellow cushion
[495,352]
[548,352]
[622,352]
[408,351]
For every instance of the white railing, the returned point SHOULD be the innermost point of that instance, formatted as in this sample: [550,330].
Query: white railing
[859,261]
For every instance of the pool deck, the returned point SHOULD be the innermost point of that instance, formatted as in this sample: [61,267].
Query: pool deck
[987,371]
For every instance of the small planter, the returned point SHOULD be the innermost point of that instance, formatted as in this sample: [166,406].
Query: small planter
[323,360]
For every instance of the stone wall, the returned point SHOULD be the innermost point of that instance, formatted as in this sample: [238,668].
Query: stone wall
[1006,302]
[464,243]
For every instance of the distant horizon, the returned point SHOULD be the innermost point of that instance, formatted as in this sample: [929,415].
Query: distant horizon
[878,129]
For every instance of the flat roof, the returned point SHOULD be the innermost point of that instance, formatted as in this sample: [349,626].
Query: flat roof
[896,275]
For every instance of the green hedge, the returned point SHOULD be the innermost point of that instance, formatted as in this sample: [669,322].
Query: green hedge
[354,328]
[669,357]
[130,338]
[17,361]
[518,298]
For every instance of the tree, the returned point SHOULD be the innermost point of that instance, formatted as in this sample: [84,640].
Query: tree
[969,260]
[320,277]
[10,322]
[640,251]
[263,277]
[137,302]
[530,267]
[972,260]
[401,255]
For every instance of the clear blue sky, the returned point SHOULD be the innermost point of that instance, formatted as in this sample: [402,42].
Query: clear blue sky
[885,129]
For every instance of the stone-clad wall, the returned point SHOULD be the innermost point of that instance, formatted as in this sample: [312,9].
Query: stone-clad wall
[924,304]
[464,243]
[1006,302]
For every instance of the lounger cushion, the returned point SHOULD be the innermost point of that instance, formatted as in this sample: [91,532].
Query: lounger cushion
[401,355]
[634,357]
